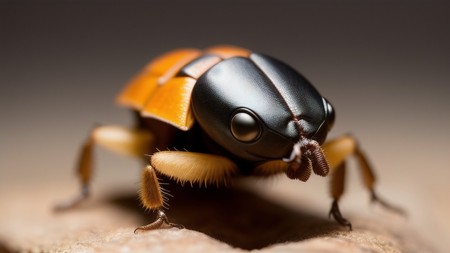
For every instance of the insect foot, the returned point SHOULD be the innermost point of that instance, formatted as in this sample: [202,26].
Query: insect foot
[73,202]
[336,213]
[161,222]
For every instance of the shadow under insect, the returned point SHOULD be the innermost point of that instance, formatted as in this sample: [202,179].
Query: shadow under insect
[235,216]
[4,248]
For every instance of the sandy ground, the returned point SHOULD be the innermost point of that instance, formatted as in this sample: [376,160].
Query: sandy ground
[234,219]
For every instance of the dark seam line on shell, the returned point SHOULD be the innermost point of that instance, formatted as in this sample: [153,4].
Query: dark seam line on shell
[294,117]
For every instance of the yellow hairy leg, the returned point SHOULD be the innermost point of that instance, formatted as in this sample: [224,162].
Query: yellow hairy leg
[121,140]
[182,167]
[150,192]
[151,197]
[270,168]
[194,167]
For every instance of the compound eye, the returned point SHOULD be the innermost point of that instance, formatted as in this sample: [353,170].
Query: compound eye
[331,115]
[245,126]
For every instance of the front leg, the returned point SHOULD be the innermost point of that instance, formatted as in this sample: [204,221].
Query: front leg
[183,167]
[337,151]
[152,197]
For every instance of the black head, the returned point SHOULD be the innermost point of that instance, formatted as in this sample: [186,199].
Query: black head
[258,108]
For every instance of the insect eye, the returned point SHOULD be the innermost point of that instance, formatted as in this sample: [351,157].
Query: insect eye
[245,126]
[330,114]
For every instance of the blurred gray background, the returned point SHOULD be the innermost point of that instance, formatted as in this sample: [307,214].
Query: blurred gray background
[385,66]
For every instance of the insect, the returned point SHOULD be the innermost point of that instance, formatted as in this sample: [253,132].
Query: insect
[234,113]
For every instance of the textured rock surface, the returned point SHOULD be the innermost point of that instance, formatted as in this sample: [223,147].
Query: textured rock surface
[216,220]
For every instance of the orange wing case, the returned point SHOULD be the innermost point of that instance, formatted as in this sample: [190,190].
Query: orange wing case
[157,92]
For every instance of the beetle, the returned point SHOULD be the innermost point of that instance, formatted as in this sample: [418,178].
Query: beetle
[234,113]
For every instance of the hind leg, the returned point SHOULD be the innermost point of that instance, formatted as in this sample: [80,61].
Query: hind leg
[121,140]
